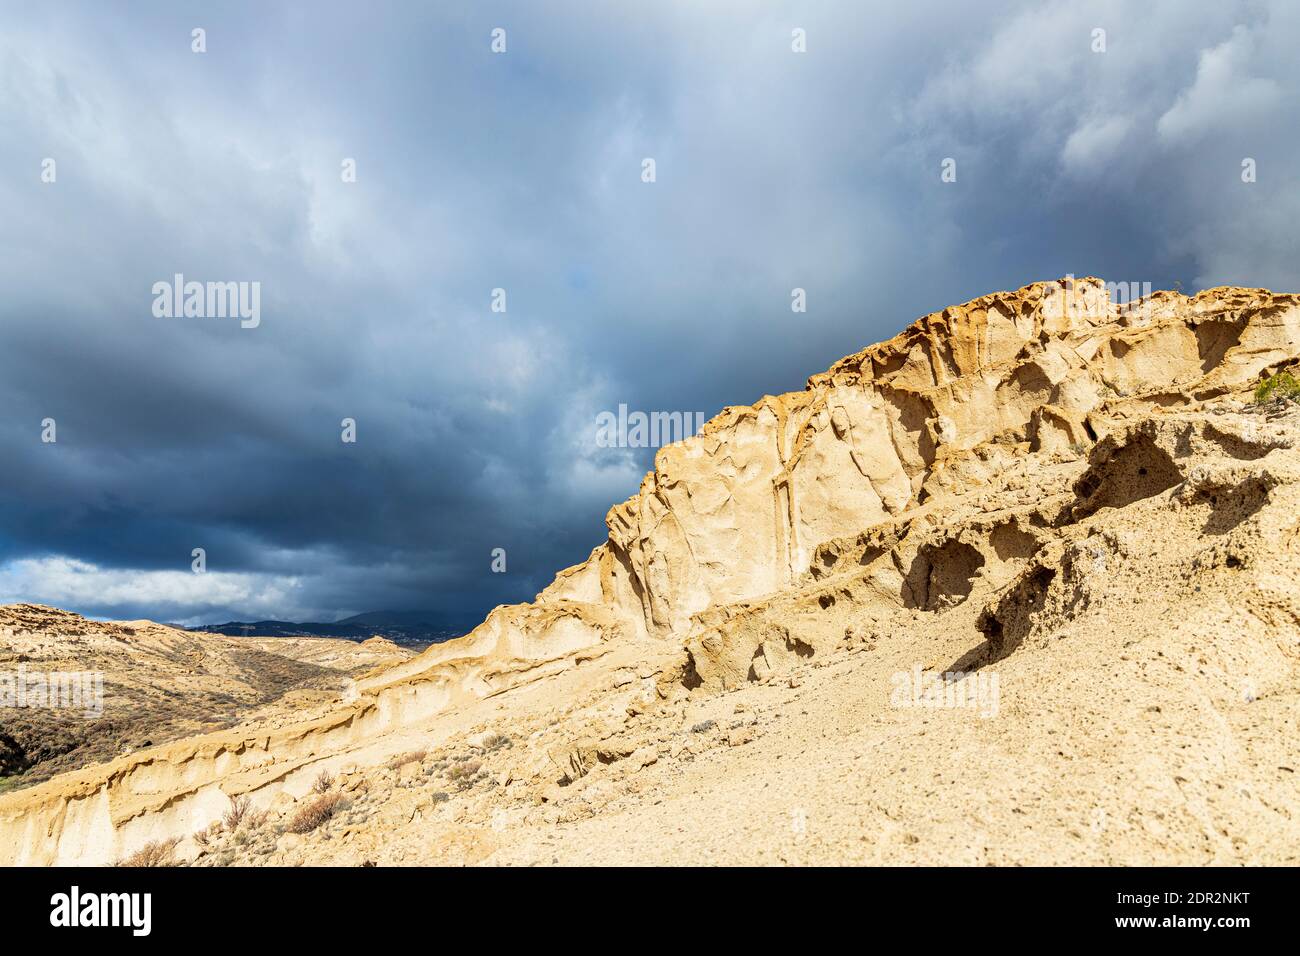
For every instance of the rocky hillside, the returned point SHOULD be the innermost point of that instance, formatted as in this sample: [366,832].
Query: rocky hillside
[1014,586]
[143,683]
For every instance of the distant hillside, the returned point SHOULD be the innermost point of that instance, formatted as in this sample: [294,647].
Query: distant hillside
[408,628]
[154,683]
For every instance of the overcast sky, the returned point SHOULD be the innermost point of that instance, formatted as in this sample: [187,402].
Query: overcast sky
[522,170]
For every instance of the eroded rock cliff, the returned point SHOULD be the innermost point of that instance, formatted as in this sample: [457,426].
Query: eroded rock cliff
[738,511]
[953,474]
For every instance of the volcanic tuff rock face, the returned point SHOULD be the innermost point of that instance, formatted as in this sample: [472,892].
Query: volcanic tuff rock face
[1003,487]
[737,512]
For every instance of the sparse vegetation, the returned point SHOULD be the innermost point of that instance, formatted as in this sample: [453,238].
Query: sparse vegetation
[240,817]
[401,760]
[324,783]
[157,853]
[465,774]
[464,770]
[209,833]
[1283,385]
[496,742]
[233,817]
[316,812]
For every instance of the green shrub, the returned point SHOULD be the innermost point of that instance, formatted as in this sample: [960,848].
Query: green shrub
[1282,385]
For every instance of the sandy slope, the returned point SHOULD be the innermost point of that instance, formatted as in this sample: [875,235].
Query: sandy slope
[1147,711]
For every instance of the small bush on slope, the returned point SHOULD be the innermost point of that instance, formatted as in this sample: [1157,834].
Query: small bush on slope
[1281,385]
[158,853]
[401,760]
[235,815]
[315,813]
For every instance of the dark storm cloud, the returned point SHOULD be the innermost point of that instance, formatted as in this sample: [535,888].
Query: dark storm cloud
[522,171]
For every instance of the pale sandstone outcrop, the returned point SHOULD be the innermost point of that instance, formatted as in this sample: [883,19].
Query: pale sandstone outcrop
[736,512]
[1138,607]
[882,457]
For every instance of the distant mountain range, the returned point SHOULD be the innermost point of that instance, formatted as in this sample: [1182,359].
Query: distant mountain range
[400,627]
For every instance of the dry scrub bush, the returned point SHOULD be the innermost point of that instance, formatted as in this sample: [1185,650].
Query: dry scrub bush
[402,760]
[157,853]
[207,834]
[239,807]
[464,771]
[241,814]
[464,774]
[315,813]
[323,783]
